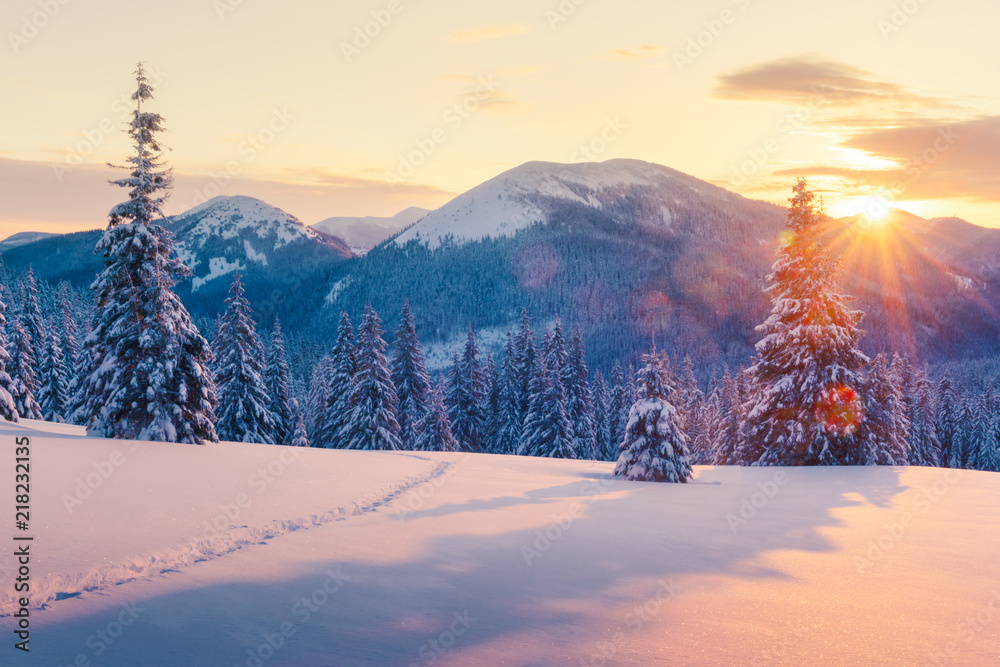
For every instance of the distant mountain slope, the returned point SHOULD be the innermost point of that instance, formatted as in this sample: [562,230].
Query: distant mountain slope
[22,238]
[365,233]
[652,196]
[276,253]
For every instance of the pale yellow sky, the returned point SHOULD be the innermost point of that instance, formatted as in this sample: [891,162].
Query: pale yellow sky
[285,102]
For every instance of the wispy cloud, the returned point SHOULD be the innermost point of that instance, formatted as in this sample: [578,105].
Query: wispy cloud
[643,52]
[480,34]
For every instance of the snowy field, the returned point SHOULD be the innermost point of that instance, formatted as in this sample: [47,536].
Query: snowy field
[161,554]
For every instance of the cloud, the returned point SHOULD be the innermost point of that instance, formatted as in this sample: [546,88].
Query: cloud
[32,198]
[472,35]
[644,51]
[796,80]
[959,160]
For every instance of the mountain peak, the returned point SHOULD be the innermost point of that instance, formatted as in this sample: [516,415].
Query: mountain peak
[527,194]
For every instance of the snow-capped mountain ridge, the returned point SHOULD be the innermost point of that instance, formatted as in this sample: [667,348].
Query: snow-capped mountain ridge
[529,193]
[226,234]
[364,233]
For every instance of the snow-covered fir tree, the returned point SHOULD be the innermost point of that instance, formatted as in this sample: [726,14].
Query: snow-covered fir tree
[508,428]
[547,431]
[8,409]
[300,438]
[31,316]
[602,427]
[618,408]
[465,397]
[340,373]
[279,395]
[316,402]
[149,374]
[707,425]
[244,404]
[373,422]
[579,398]
[24,388]
[491,404]
[726,445]
[53,392]
[526,351]
[654,448]
[947,422]
[882,438]
[409,375]
[807,371]
[64,323]
[434,428]
[925,449]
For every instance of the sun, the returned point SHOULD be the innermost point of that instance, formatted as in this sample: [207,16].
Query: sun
[874,210]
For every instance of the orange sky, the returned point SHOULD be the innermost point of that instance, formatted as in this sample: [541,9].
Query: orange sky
[295,104]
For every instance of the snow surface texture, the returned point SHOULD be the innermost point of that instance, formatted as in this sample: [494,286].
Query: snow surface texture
[510,202]
[462,559]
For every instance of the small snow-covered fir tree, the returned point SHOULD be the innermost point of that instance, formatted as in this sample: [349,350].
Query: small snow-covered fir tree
[727,441]
[409,375]
[31,316]
[316,401]
[8,409]
[808,366]
[654,448]
[947,422]
[53,392]
[434,428]
[65,325]
[465,397]
[618,408]
[279,395]
[579,398]
[491,404]
[508,429]
[548,431]
[524,362]
[299,436]
[925,449]
[602,433]
[149,374]
[373,422]
[244,410]
[340,373]
[24,387]
[882,438]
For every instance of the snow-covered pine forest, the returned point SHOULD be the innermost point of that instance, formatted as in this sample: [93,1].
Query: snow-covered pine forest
[125,359]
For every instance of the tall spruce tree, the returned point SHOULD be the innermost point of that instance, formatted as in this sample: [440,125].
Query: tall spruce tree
[409,375]
[149,374]
[807,370]
[64,322]
[726,447]
[342,370]
[654,448]
[31,316]
[373,422]
[244,404]
[527,350]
